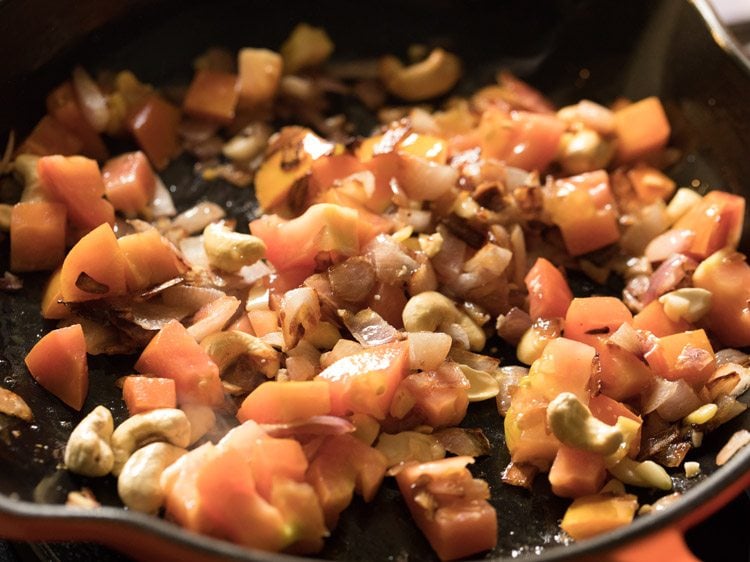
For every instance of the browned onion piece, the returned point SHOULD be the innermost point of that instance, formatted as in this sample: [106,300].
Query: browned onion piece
[198,217]
[508,377]
[474,360]
[729,355]
[10,282]
[213,317]
[461,441]
[189,297]
[728,408]
[11,404]
[299,311]
[162,204]
[197,130]
[312,426]
[672,400]
[91,99]
[653,444]
[154,316]
[88,284]
[520,474]
[512,325]
[449,261]
[668,275]
[673,454]
[352,280]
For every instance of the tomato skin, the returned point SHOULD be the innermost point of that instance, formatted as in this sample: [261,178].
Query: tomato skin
[589,317]
[727,275]
[549,293]
[58,363]
[460,524]
[173,353]
[687,355]
[295,243]
[366,381]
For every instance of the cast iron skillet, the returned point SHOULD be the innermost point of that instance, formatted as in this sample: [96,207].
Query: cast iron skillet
[568,48]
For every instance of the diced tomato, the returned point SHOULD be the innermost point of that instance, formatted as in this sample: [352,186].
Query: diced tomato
[129,182]
[727,275]
[263,321]
[325,171]
[37,235]
[650,184]
[622,375]
[76,182]
[524,140]
[58,363]
[549,293]
[225,479]
[151,259]
[439,397]
[717,222]
[341,465]
[95,268]
[583,208]
[178,482]
[654,319]
[63,105]
[52,306]
[593,515]
[302,514]
[291,162]
[641,128]
[142,394]
[590,317]
[389,301]
[575,472]
[366,381]
[212,95]
[295,243]
[51,137]
[283,402]
[458,523]
[565,366]
[687,355]
[154,126]
[173,353]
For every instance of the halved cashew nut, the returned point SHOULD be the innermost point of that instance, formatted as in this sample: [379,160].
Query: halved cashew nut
[88,451]
[690,303]
[164,424]
[432,311]
[230,251]
[431,77]
[139,484]
[225,348]
[572,423]
[482,385]
[646,474]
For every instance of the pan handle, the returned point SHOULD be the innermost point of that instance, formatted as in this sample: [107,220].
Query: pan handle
[666,544]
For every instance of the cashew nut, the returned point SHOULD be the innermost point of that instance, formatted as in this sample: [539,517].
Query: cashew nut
[572,423]
[139,483]
[88,451]
[202,419]
[5,213]
[646,474]
[248,143]
[431,77]
[163,424]
[228,250]
[583,151]
[226,347]
[690,303]
[432,311]
[482,385]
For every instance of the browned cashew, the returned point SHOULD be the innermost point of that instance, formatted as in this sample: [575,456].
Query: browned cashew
[429,78]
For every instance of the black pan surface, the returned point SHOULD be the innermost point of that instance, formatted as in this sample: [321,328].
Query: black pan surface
[569,49]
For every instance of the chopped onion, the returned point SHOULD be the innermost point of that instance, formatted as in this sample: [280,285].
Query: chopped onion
[253,273]
[668,275]
[516,177]
[672,400]
[299,311]
[312,426]
[461,441]
[194,252]
[392,264]
[190,297]
[213,316]
[91,99]
[409,446]
[153,316]
[728,408]
[670,242]
[512,325]
[449,261]
[198,217]
[352,280]
[162,204]
[520,474]
[627,338]
[369,328]
[427,350]
[649,223]
[736,442]
[11,404]
[730,355]
[423,180]
[508,377]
